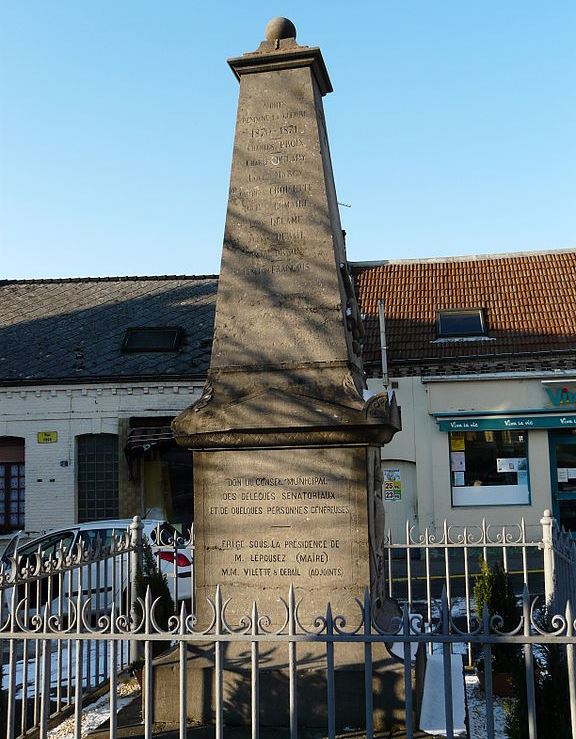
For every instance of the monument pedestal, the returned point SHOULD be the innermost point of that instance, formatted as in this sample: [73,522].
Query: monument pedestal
[388,690]
[272,518]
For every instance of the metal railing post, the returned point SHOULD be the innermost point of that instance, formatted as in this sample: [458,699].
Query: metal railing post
[529,667]
[548,522]
[136,566]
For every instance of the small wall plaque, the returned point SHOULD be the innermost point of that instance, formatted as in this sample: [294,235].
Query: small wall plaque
[47,437]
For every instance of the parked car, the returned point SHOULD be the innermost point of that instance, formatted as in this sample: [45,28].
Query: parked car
[176,562]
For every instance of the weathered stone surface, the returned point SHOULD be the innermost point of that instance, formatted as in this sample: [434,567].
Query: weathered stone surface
[305,407]
[349,683]
[280,28]
[279,264]
[279,517]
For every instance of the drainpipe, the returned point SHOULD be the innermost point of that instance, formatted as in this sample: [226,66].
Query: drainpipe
[383,347]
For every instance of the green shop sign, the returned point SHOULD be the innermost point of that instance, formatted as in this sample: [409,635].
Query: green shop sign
[567,421]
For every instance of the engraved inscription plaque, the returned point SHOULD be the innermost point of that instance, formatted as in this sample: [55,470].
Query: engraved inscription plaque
[278,518]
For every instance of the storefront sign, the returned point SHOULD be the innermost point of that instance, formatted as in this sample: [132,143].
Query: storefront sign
[561,396]
[47,437]
[511,422]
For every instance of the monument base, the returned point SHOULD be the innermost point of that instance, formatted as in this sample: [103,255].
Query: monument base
[388,690]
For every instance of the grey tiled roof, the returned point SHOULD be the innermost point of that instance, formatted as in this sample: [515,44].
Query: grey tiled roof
[72,329]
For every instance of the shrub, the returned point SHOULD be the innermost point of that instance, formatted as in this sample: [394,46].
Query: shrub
[151,577]
[551,688]
[492,587]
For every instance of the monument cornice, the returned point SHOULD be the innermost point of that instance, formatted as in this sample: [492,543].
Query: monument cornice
[376,434]
[276,60]
[274,417]
[283,366]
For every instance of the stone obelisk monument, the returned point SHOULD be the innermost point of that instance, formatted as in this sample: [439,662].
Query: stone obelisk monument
[286,452]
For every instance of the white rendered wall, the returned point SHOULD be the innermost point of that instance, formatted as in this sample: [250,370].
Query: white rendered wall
[422,443]
[70,411]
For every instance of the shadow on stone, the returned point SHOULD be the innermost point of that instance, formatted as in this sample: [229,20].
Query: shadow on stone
[349,681]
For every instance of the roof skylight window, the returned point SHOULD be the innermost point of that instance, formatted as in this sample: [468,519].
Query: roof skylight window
[152,339]
[452,324]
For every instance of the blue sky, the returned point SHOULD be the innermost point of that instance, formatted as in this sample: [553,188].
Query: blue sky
[452,128]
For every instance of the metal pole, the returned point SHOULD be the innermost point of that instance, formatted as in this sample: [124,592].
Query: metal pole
[78,665]
[408,565]
[383,347]
[368,665]
[487,655]
[147,672]
[447,664]
[330,692]
[218,669]
[255,677]
[467,595]
[548,543]
[113,673]
[407,672]
[136,566]
[183,675]
[292,664]
[529,667]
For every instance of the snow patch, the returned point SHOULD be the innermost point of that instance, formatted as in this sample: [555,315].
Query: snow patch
[96,713]
[432,716]
[477,711]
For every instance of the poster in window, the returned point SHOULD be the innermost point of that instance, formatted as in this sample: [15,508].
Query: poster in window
[458,479]
[392,485]
[562,474]
[522,477]
[457,441]
[510,464]
[505,465]
[457,461]
[571,473]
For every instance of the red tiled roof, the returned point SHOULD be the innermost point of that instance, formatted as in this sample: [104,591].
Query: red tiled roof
[529,303]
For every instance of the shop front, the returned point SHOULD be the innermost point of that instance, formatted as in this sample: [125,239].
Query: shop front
[563,467]
[495,458]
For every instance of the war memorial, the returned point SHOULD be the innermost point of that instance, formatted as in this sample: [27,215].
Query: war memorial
[285,445]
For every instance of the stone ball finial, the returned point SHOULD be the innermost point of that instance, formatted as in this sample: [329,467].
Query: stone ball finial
[279,28]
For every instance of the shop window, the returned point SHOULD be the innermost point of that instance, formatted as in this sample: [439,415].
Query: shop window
[12,484]
[97,477]
[460,323]
[489,468]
